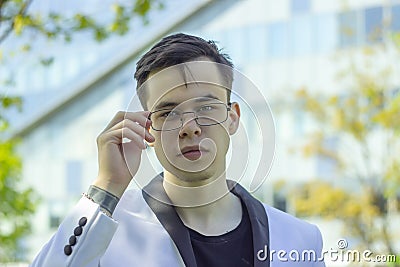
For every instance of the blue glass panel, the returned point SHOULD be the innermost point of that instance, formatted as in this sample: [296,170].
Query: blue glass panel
[299,6]
[256,43]
[395,20]
[325,33]
[300,35]
[299,122]
[373,24]
[235,43]
[74,177]
[348,30]
[278,39]
[326,166]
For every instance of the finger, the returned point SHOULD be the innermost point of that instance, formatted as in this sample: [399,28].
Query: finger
[143,132]
[134,137]
[118,135]
[139,116]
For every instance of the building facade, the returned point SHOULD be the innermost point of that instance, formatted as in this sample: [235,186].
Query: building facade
[281,46]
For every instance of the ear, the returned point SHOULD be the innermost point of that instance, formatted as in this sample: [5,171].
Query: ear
[234,118]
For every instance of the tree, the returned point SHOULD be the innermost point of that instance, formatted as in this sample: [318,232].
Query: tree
[17,203]
[19,22]
[15,18]
[364,123]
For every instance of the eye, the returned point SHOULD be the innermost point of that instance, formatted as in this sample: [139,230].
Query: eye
[164,114]
[206,108]
[169,114]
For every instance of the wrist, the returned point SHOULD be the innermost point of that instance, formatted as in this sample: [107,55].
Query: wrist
[106,200]
[113,188]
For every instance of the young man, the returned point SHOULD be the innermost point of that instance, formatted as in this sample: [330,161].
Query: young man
[189,215]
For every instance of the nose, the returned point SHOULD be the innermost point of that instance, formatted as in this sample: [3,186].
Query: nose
[189,126]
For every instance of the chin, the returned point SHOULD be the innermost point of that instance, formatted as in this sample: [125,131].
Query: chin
[187,172]
[193,177]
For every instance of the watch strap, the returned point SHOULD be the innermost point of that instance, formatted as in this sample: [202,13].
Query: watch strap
[105,199]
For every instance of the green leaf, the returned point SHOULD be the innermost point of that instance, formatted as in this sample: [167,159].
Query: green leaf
[47,61]
[142,7]
[100,35]
[7,102]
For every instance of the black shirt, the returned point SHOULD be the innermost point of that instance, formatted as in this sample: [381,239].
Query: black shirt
[232,249]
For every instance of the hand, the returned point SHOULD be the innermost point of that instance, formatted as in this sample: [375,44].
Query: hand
[114,175]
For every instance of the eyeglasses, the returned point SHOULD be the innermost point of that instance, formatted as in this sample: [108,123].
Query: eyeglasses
[204,115]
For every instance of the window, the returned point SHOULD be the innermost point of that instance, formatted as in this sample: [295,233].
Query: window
[326,166]
[235,43]
[300,35]
[256,42]
[299,122]
[325,33]
[348,29]
[55,221]
[21,86]
[395,18]
[278,39]
[74,177]
[71,67]
[56,209]
[394,92]
[299,6]
[279,201]
[37,78]
[373,24]
[54,74]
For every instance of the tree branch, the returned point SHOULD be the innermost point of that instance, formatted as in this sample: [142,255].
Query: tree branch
[2,2]
[22,11]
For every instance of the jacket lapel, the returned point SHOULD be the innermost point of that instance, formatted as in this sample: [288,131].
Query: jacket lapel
[155,196]
[258,221]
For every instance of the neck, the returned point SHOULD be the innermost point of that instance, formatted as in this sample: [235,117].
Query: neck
[209,208]
[186,193]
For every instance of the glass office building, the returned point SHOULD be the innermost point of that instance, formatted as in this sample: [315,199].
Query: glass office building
[281,46]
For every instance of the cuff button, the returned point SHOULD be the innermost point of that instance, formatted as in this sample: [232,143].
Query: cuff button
[68,250]
[78,231]
[82,221]
[72,240]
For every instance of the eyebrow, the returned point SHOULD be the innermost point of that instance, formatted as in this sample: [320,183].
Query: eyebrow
[167,104]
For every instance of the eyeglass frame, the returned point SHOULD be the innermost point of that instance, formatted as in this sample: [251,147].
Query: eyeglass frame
[227,106]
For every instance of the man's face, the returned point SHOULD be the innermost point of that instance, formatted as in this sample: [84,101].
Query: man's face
[191,150]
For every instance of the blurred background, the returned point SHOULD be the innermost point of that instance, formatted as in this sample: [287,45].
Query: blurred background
[329,70]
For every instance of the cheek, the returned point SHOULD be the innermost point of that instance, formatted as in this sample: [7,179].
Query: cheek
[222,139]
[165,143]
[161,154]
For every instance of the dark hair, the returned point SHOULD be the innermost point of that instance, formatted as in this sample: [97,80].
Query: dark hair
[176,49]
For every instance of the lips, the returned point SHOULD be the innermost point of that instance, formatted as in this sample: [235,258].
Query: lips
[192,152]
[190,148]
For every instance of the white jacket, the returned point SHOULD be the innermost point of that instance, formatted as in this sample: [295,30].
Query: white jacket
[147,232]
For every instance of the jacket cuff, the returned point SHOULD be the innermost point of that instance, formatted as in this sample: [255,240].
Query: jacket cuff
[81,239]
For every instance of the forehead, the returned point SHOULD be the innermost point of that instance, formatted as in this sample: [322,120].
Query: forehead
[186,81]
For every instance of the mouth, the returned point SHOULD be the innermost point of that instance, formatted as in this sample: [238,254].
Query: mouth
[192,152]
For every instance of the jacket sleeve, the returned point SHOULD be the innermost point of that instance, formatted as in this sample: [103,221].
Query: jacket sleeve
[320,262]
[81,239]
